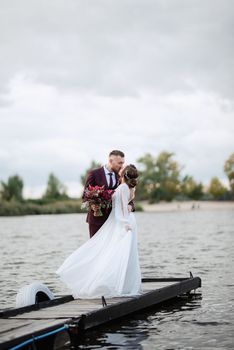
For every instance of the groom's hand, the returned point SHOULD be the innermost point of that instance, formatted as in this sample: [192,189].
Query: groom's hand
[129,208]
[94,207]
[132,205]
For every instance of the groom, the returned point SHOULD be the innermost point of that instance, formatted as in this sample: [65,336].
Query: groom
[107,176]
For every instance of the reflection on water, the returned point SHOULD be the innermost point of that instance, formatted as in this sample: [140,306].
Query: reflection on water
[135,332]
[170,244]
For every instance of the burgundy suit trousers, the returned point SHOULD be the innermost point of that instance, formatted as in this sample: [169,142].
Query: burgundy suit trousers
[93,229]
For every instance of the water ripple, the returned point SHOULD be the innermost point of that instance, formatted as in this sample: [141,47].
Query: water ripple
[170,244]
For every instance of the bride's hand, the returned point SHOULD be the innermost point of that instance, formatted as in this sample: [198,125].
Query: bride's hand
[129,208]
[128,227]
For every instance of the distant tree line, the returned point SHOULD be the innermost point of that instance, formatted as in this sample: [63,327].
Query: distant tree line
[160,179]
[13,189]
[54,200]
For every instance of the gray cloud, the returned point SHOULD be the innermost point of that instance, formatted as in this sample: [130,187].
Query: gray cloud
[79,78]
[120,48]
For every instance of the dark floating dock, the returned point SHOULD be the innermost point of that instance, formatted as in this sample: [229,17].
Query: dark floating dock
[51,324]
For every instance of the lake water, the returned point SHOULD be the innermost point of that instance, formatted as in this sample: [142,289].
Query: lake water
[170,244]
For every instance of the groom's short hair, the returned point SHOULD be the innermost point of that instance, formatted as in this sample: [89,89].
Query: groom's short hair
[116,152]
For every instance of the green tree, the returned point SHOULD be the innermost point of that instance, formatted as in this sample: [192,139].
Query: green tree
[55,189]
[159,177]
[229,171]
[12,189]
[190,188]
[216,189]
[93,165]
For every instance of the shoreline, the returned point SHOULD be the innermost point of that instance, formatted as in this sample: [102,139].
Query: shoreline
[186,205]
[72,206]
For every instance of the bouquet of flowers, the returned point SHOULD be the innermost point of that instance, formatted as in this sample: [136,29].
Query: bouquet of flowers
[98,196]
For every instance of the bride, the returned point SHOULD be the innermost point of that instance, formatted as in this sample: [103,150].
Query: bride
[107,264]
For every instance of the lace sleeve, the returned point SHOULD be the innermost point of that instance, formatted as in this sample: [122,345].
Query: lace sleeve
[121,204]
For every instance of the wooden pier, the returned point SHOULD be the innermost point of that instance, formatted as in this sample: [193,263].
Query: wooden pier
[38,325]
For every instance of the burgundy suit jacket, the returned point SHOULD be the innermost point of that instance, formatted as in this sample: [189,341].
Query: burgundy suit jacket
[97,177]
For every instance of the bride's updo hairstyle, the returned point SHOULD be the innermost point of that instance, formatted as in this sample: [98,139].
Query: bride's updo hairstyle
[130,175]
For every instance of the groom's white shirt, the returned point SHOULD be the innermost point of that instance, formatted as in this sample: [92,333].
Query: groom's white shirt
[108,176]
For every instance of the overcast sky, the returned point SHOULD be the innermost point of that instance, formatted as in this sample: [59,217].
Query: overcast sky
[80,78]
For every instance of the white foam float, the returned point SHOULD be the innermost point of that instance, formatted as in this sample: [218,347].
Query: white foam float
[33,293]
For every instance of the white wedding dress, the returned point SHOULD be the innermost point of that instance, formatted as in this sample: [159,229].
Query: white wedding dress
[107,264]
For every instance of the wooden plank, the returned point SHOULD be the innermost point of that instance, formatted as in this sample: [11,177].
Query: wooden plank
[148,299]
[66,298]
[79,306]
[90,312]
[44,304]
[69,309]
[7,325]
[154,285]
[16,336]
[166,279]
